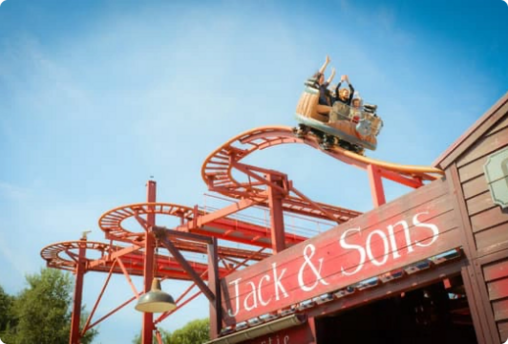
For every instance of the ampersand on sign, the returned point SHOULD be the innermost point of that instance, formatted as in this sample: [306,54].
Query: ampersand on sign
[308,263]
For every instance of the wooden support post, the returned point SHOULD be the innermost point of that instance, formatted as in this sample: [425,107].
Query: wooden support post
[148,327]
[75,334]
[275,197]
[376,186]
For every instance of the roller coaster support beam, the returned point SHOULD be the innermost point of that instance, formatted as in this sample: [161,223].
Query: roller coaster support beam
[148,273]
[413,182]
[75,334]
[312,203]
[202,220]
[312,326]
[112,256]
[376,185]
[275,197]
[214,284]
[214,297]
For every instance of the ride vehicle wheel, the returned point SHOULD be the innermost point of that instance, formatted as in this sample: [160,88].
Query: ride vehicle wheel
[358,149]
[327,141]
[301,130]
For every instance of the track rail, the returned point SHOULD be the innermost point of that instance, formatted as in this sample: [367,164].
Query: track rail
[252,188]
[113,225]
[217,170]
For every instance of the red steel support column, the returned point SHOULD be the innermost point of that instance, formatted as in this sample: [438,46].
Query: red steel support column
[376,186]
[214,285]
[276,214]
[74,337]
[148,327]
[312,326]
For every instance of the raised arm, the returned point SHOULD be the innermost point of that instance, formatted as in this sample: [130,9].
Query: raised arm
[337,88]
[351,89]
[323,67]
[330,78]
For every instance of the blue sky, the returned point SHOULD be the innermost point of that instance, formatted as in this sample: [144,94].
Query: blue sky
[97,96]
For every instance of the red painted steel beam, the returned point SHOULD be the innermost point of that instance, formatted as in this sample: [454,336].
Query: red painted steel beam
[376,186]
[158,336]
[315,205]
[214,285]
[246,230]
[127,276]
[110,257]
[219,214]
[148,327]
[251,172]
[94,308]
[412,182]
[78,295]
[167,269]
[216,167]
[129,253]
[275,197]
[110,313]
[182,235]
[161,235]
[222,250]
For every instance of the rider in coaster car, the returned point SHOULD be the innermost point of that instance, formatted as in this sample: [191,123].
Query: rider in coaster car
[343,94]
[318,81]
[357,109]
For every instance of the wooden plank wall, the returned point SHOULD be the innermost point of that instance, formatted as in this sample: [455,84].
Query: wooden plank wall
[487,219]
[488,229]
[496,279]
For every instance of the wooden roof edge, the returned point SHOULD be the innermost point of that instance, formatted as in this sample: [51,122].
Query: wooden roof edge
[480,127]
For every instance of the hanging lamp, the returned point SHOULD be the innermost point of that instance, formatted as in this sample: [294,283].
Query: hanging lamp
[155,301]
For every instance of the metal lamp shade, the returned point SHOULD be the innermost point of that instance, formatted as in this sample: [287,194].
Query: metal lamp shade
[155,301]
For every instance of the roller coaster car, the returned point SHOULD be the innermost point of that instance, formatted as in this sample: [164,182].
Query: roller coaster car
[354,129]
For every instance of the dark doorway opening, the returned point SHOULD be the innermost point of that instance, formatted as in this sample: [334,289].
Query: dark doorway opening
[435,314]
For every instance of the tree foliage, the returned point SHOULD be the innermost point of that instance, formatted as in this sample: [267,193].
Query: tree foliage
[42,310]
[194,332]
[41,313]
[5,311]
[166,337]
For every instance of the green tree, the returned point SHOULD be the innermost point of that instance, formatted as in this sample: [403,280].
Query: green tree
[164,334]
[194,332]
[5,311]
[42,312]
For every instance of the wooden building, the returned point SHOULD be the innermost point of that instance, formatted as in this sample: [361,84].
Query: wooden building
[484,223]
[429,267]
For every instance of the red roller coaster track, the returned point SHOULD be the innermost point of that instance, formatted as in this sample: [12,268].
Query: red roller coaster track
[253,186]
